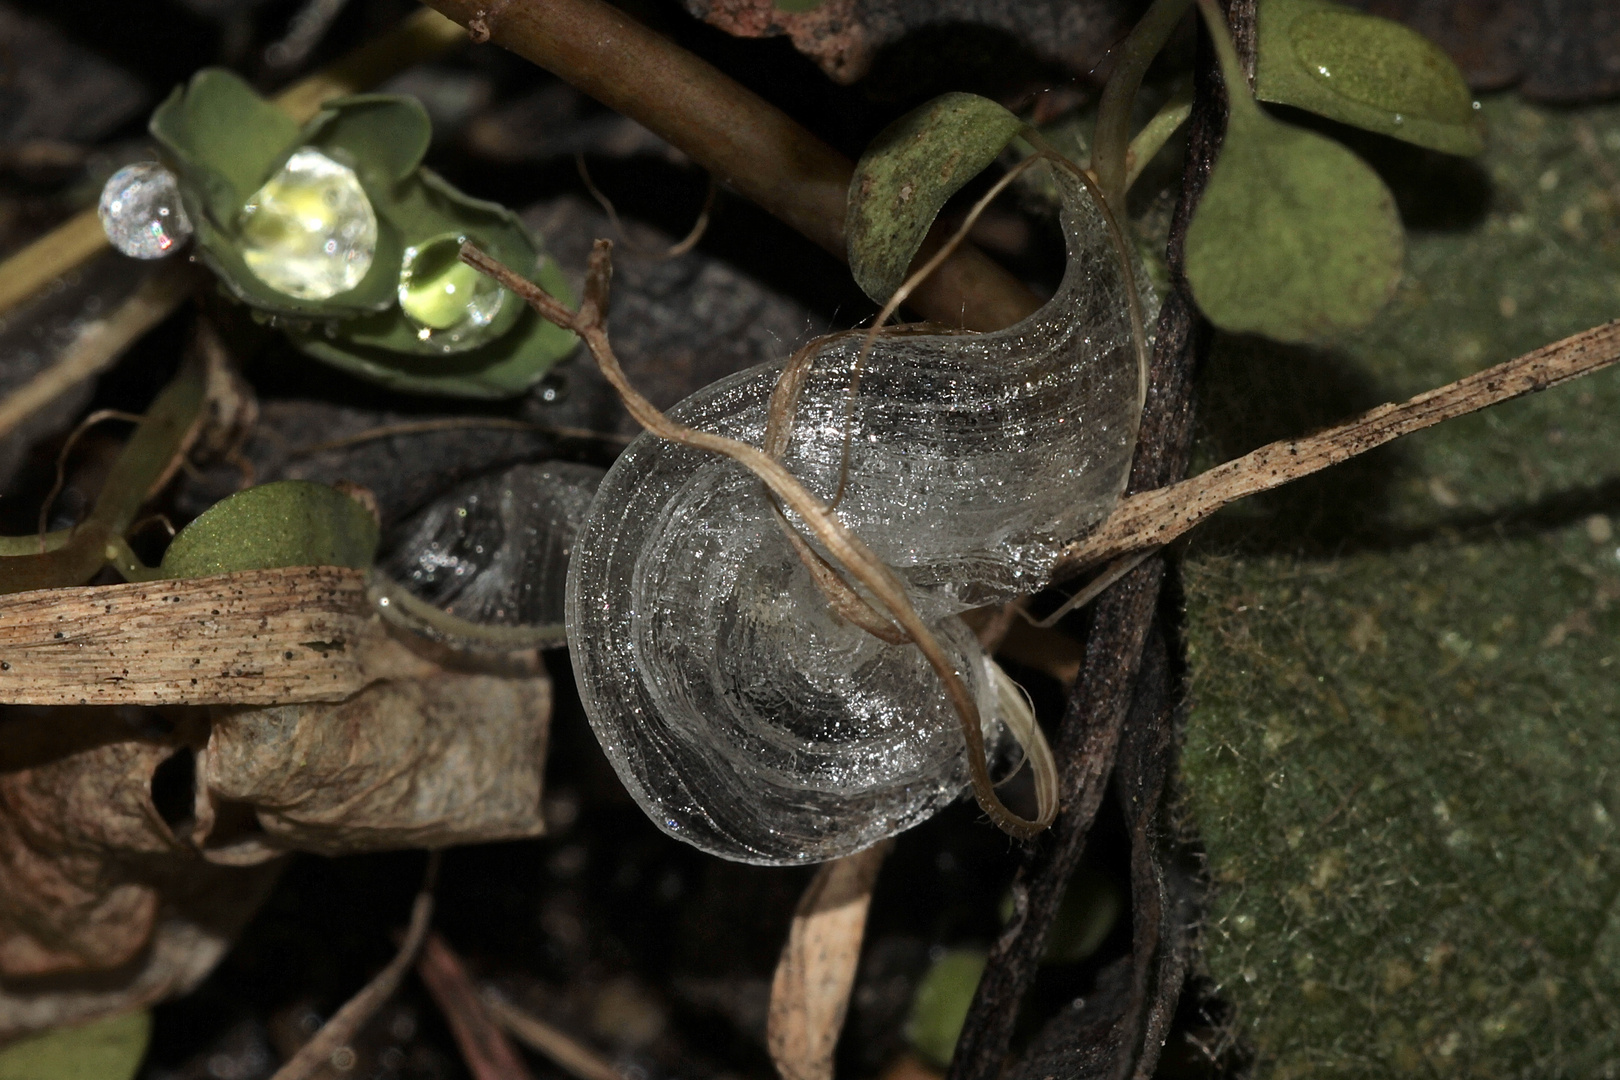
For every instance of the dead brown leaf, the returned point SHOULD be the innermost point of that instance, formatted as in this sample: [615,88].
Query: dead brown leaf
[449,759]
[810,993]
[102,907]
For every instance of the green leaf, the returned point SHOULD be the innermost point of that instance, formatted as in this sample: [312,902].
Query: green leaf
[506,367]
[907,173]
[1363,70]
[1295,237]
[940,1006]
[109,1049]
[218,128]
[381,136]
[286,523]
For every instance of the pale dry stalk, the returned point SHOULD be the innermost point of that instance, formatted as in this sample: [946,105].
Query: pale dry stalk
[814,977]
[1154,518]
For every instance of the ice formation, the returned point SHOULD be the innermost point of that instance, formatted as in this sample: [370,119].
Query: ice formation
[740,712]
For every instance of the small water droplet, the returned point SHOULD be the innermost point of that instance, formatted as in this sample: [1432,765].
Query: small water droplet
[140,211]
[442,296]
[310,231]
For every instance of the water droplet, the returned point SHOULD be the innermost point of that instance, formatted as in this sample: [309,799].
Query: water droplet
[310,231]
[141,213]
[442,296]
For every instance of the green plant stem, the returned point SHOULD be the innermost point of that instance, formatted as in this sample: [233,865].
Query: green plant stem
[146,463]
[747,143]
[1157,131]
[1240,102]
[1113,134]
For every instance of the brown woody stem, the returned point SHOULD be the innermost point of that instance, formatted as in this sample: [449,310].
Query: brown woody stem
[747,143]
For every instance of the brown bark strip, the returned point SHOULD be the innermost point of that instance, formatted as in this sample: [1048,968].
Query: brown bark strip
[1108,681]
[1158,516]
[257,637]
[810,993]
[747,143]
[484,1046]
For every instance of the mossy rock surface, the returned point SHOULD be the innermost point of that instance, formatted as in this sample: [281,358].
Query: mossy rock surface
[1404,748]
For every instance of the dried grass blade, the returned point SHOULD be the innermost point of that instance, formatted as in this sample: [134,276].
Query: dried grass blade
[256,637]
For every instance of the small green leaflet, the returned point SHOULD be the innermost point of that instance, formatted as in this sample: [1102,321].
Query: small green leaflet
[940,1006]
[108,1049]
[907,173]
[1295,237]
[1366,71]
[286,523]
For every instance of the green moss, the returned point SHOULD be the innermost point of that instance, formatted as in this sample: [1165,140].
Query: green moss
[1404,750]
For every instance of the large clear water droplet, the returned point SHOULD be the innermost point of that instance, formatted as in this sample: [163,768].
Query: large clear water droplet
[310,231]
[141,213]
[444,298]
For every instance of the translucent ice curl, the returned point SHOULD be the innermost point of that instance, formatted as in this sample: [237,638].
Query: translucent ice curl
[740,712]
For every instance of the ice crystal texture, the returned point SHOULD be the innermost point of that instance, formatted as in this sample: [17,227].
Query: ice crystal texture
[141,213]
[310,231]
[495,550]
[743,715]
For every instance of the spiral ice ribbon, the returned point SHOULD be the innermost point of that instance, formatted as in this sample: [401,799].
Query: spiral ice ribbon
[743,715]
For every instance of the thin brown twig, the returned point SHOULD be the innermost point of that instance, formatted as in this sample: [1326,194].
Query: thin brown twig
[453,423]
[675,250]
[1156,517]
[484,1046]
[99,343]
[848,550]
[561,1048]
[344,1023]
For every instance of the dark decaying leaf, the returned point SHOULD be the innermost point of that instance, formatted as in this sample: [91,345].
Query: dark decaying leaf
[845,36]
[1366,71]
[907,173]
[285,523]
[448,759]
[1295,237]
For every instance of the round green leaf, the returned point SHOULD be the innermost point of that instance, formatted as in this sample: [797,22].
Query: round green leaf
[218,130]
[940,1006]
[286,523]
[108,1049]
[1295,237]
[905,176]
[1366,71]
[381,136]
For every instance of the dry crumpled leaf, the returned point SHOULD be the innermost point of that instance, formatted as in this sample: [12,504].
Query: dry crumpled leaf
[844,36]
[449,759]
[102,908]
